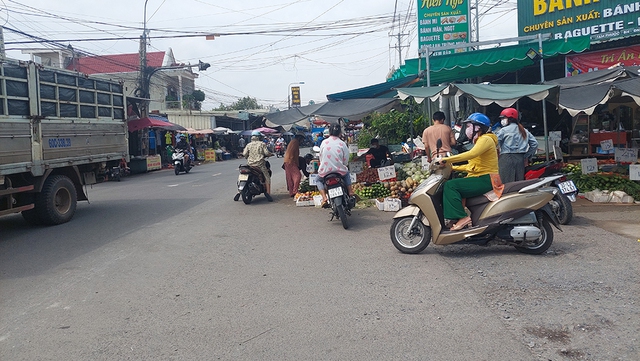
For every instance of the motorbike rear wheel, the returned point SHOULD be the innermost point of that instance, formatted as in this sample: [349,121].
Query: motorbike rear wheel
[342,214]
[246,196]
[176,168]
[543,244]
[407,240]
[564,209]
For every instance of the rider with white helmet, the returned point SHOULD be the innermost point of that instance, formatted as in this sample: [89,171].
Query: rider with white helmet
[256,153]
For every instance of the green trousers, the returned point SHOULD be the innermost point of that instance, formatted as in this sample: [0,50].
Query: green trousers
[458,188]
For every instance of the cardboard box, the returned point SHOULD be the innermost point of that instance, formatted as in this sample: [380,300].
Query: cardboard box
[300,203]
[392,204]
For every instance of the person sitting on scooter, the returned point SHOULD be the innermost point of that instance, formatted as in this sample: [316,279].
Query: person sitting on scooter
[482,164]
[256,153]
[185,147]
[334,158]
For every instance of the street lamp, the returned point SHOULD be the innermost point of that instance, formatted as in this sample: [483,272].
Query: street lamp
[289,93]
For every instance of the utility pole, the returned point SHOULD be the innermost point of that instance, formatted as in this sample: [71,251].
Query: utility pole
[143,84]
[399,47]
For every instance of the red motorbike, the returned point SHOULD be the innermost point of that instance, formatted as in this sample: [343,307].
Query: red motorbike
[280,148]
[561,202]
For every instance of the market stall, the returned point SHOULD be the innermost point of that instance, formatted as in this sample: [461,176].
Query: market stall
[605,110]
[146,142]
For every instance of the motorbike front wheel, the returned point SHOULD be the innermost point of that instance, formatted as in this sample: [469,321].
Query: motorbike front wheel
[343,216]
[176,168]
[543,243]
[563,208]
[407,240]
[246,196]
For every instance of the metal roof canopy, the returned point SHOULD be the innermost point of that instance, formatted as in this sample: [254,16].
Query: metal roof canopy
[427,52]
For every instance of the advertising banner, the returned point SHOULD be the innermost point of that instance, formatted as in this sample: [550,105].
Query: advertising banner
[598,60]
[564,19]
[295,96]
[443,22]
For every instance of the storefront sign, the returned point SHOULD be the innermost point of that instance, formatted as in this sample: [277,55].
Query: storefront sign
[565,19]
[626,155]
[154,162]
[385,173]
[555,136]
[634,172]
[442,23]
[354,177]
[584,63]
[589,165]
[356,167]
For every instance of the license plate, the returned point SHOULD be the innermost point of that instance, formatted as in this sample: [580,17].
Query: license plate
[243,177]
[335,192]
[567,187]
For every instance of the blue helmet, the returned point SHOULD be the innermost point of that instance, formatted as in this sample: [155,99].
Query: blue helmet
[256,133]
[479,118]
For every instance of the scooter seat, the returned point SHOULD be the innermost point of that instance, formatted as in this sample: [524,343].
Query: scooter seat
[511,187]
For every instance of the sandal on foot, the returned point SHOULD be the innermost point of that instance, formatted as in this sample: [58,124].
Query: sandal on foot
[461,224]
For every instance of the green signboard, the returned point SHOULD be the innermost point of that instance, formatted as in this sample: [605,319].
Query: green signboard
[600,19]
[441,23]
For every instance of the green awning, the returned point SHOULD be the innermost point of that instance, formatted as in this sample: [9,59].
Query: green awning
[420,94]
[449,68]
[504,95]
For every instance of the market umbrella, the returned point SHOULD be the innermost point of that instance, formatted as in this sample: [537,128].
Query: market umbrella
[287,133]
[266,130]
[246,132]
[221,130]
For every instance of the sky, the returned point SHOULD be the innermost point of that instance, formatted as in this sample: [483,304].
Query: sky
[263,47]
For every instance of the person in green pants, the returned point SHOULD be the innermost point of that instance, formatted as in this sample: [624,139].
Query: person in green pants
[482,162]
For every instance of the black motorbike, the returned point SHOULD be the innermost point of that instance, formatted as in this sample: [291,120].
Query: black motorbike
[251,183]
[340,201]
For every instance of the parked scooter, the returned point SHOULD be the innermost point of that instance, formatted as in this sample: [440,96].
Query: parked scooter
[522,217]
[251,183]
[339,199]
[181,162]
[561,202]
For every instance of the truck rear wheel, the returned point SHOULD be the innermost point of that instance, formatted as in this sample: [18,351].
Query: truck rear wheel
[57,202]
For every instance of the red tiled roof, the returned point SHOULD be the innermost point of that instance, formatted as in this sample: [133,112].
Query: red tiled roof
[121,63]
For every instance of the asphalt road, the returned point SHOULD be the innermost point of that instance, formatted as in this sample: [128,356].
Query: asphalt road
[161,267]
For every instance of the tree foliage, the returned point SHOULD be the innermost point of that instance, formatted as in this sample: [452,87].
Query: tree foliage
[394,126]
[242,104]
[194,100]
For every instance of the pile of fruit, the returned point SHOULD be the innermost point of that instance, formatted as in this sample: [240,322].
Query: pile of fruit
[369,175]
[602,180]
[415,172]
[376,190]
[305,196]
[305,187]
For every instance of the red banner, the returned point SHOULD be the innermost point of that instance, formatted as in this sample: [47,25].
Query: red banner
[584,63]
